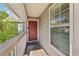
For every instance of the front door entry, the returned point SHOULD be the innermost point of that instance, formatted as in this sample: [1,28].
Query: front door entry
[32,31]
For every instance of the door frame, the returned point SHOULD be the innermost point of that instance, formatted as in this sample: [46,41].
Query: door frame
[37,30]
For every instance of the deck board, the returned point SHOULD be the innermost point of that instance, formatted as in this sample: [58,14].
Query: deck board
[35,49]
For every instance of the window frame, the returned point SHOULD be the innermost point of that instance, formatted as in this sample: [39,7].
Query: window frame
[71,31]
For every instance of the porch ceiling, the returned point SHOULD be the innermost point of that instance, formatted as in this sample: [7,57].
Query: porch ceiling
[28,9]
[35,9]
[18,9]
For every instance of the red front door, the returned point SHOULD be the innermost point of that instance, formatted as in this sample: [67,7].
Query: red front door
[32,25]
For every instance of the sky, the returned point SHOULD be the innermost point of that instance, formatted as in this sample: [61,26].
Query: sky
[5,8]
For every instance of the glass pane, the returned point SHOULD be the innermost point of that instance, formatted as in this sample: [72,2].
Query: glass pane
[59,16]
[60,39]
[56,20]
[65,16]
[57,9]
[21,27]
[52,14]
[64,6]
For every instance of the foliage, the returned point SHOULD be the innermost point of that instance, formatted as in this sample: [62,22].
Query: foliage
[3,15]
[8,29]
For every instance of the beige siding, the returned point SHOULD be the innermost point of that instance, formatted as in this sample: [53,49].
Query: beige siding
[76,30]
[21,45]
[44,33]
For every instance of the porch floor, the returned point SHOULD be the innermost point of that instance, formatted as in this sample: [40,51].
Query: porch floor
[34,49]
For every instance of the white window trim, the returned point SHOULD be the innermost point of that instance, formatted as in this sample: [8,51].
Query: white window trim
[71,31]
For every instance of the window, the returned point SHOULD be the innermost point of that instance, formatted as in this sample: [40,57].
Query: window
[59,27]
[21,27]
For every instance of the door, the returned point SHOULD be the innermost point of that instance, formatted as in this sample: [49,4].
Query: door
[32,31]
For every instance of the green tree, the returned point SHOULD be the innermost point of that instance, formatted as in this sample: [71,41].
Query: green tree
[3,15]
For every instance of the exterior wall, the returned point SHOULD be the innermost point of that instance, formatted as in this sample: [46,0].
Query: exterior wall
[44,33]
[21,45]
[75,50]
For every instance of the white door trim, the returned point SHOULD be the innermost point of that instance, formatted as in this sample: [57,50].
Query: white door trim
[37,30]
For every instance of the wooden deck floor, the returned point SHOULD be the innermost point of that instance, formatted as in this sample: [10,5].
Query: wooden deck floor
[35,49]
